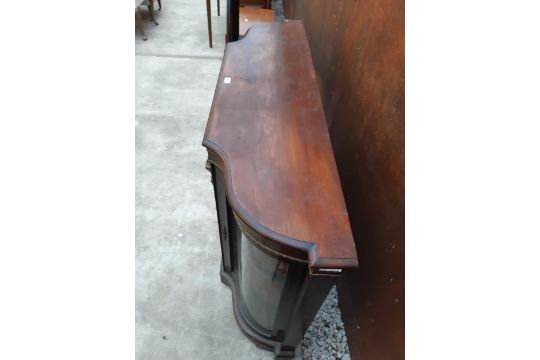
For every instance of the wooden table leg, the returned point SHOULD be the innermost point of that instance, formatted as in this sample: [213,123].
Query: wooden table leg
[138,22]
[209,20]
[151,8]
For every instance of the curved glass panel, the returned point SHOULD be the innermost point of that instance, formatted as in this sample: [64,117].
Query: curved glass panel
[262,281]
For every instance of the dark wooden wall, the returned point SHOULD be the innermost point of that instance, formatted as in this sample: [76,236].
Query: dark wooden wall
[358,51]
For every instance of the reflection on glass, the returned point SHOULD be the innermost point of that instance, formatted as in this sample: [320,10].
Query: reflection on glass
[263,279]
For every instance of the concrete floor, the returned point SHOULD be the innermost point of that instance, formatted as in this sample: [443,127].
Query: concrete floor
[183,311]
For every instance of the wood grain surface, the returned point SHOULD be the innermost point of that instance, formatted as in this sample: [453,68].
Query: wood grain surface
[358,49]
[250,17]
[268,131]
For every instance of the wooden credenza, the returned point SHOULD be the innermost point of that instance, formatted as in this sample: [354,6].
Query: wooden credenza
[284,230]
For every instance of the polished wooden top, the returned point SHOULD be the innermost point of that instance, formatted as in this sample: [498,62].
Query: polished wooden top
[267,131]
[250,17]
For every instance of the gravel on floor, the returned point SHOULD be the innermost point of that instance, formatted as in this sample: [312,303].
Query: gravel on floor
[277,6]
[325,338]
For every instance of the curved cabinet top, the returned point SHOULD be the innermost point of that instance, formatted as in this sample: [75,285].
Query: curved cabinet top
[268,133]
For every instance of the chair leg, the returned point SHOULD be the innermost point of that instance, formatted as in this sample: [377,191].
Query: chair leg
[218,14]
[151,8]
[209,21]
[138,23]
[159,3]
